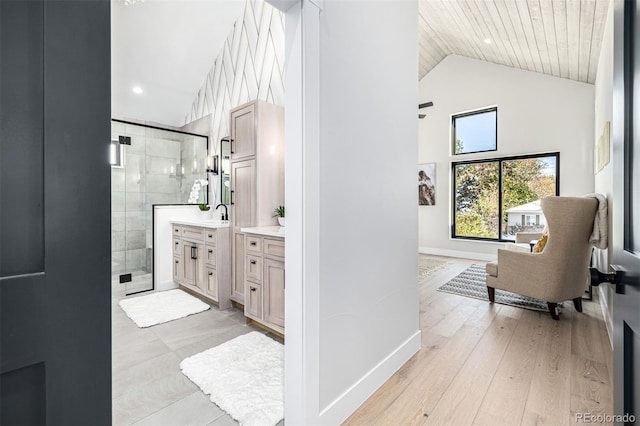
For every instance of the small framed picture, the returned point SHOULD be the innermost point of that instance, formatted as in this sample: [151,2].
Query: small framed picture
[427,184]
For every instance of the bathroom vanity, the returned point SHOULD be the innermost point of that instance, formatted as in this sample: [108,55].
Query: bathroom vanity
[264,276]
[201,259]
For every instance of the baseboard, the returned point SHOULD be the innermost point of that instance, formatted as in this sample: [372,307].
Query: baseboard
[608,321]
[166,285]
[457,253]
[343,406]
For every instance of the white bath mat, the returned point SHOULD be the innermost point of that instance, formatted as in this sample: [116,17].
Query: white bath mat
[244,377]
[162,306]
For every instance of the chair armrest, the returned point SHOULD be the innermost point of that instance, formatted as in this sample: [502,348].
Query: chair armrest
[511,264]
[525,237]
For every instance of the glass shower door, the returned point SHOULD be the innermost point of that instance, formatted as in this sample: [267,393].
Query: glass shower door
[150,166]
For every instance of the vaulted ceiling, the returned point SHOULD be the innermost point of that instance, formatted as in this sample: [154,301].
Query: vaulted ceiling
[555,37]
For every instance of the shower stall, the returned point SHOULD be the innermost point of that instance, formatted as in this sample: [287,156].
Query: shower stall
[149,166]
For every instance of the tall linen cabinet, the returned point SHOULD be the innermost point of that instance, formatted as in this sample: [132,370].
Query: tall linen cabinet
[257,177]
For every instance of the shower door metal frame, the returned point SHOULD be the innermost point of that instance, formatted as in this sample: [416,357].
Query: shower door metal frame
[153,219]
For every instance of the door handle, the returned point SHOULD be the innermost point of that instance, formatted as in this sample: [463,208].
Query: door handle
[231,201]
[614,277]
[194,252]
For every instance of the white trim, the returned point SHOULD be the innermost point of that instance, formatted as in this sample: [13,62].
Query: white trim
[343,406]
[608,321]
[302,183]
[458,253]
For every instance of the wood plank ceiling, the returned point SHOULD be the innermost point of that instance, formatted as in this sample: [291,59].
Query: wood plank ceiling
[555,37]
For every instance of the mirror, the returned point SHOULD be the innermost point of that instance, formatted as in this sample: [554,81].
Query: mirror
[225,169]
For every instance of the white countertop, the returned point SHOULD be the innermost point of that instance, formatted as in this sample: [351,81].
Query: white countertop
[270,231]
[201,223]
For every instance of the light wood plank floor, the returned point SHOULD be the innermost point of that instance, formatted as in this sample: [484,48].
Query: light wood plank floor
[484,364]
[148,386]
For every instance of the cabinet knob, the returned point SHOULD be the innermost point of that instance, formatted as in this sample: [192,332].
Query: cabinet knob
[210,251]
[252,288]
[210,273]
[210,235]
[253,262]
[177,243]
[253,243]
[177,262]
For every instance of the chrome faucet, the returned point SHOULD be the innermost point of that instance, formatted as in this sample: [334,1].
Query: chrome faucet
[225,216]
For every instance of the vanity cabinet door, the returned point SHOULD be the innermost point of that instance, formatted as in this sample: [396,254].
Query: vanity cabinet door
[187,272]
[200,278]
[193,258]
[273,285]
[212,283]
[243,133]
[237,288]
[177,265]
[243,199]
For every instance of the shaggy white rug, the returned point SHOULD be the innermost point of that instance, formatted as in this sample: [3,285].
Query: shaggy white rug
[244,377]
[160,307]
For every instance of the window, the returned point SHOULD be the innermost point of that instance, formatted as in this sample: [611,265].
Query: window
[475,131]
[495,198]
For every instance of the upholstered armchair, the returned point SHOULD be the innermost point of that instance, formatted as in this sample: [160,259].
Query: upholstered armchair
[560,271]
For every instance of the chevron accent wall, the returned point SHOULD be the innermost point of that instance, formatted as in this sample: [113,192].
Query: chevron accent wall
[250,66]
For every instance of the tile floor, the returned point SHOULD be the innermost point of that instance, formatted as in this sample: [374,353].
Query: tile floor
[148,386]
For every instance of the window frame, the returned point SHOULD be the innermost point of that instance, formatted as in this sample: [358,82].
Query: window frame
[467,114]
[499,160]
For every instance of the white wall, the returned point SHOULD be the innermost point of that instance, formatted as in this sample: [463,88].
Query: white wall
[352,314]
[368,222]
[604,179]
[536,113]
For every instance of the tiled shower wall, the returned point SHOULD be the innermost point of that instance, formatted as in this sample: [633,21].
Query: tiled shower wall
[152,173]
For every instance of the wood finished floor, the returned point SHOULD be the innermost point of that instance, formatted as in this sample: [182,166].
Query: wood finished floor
[148,386]
[483,364]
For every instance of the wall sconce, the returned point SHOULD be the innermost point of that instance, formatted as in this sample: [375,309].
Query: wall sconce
[212,164]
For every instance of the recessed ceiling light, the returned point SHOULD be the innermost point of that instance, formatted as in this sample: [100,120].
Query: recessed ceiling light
[137,90]
[487,40]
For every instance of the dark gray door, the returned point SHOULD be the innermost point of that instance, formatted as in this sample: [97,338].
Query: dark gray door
[55,296]
[626,211]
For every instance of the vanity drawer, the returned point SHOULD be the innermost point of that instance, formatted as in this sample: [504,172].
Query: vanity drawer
[254,244]
[210,236]
[192,232]
[253,268]
[210,255]
[253,299]
[176,230]
[177,249]
[274,247]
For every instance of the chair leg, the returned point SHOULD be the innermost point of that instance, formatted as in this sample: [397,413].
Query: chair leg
[577,303]
[553,310]
[492,294]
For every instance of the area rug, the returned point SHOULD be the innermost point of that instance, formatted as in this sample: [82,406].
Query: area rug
[427,266]
[160,307]
[243,376]
[472,282]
